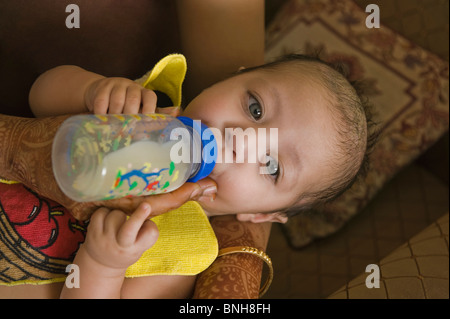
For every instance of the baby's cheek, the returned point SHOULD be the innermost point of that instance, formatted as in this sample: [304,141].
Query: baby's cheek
[239,189]
[226,191]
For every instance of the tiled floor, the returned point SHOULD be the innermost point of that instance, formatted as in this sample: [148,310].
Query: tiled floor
[401,210]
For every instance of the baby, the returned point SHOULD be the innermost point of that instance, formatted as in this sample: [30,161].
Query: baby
[323,138]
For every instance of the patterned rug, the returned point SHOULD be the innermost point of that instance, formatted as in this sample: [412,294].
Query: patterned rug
[407,85]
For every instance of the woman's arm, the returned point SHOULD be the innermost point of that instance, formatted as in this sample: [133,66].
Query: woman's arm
[218,37]
[236,275]
[25,153]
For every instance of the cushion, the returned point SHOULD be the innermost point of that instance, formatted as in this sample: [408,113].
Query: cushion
[408,88]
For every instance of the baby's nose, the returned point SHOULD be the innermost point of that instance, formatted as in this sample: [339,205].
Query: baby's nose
[240,145]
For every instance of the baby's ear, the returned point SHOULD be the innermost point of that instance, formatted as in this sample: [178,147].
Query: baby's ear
[262,218]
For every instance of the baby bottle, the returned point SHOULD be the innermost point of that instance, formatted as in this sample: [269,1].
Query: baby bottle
[101,157]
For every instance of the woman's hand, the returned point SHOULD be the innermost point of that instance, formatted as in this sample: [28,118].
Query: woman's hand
[203,190]
[119,95]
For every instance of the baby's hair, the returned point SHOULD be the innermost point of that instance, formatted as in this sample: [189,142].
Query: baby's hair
[356,130]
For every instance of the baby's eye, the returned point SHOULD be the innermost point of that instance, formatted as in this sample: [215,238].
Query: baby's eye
[254,108]
[272,166]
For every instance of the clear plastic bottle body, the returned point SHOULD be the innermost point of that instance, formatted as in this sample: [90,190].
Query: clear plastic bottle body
[101,157]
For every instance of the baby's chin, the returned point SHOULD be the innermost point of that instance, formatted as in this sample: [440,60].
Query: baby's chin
[206,207]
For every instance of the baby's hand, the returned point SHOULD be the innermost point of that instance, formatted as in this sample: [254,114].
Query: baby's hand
[119,95]
[115,242]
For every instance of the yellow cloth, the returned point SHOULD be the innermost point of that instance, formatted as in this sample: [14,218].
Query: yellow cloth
[167,76]
[186,244]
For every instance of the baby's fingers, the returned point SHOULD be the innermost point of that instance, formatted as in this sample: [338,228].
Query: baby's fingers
[149,99]
[97,220]
[133,100]
[128,233]
[98,100]
[117,99]
[147,236]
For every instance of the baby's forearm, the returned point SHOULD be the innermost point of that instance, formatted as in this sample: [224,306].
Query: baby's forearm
[61,90]
[96,280]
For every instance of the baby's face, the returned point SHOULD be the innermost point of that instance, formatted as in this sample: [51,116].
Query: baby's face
[263,99]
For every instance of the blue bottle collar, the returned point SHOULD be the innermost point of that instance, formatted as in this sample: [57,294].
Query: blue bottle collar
[209,148]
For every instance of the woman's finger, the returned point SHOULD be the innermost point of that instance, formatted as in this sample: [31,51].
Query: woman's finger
[189,191]
[160,203]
